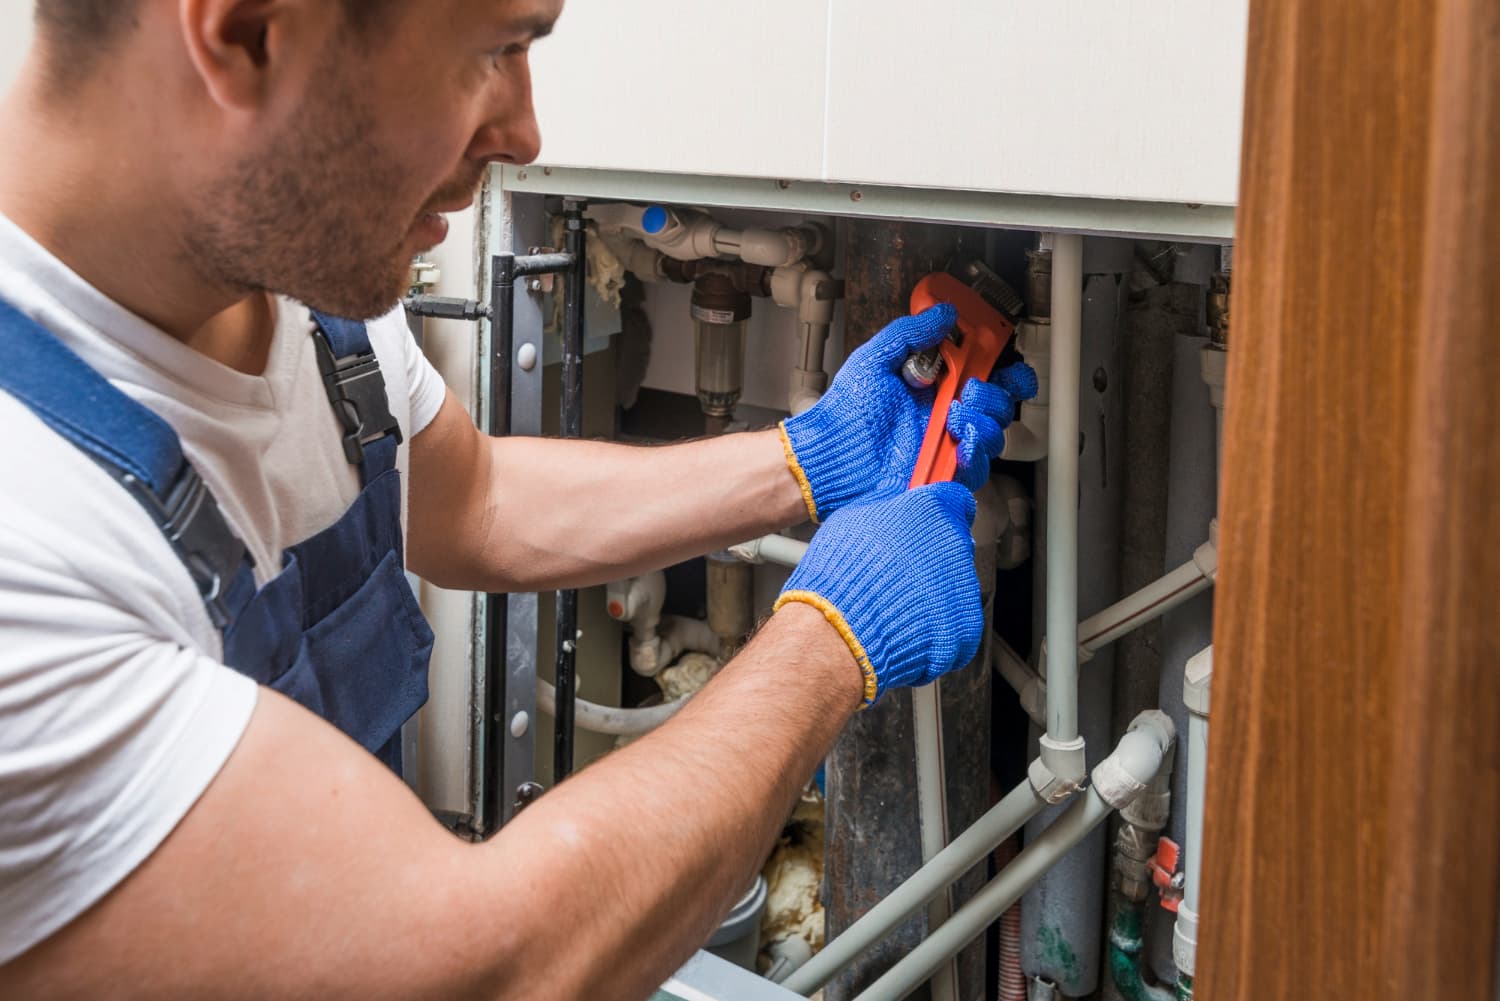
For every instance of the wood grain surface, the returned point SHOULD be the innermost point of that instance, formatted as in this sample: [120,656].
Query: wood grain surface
[1353,815]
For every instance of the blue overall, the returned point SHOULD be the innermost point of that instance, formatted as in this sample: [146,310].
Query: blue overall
[337,629]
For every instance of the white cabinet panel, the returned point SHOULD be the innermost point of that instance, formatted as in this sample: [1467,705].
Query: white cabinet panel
[685,86]
[1064,97]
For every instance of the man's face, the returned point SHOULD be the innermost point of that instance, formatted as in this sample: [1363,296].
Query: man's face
[345,184]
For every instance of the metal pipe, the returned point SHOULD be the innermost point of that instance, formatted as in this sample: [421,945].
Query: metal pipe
[444,308]
[730,586]
[1062,486]
[574,281]
[1002,820]
[1086,813]
[544,264]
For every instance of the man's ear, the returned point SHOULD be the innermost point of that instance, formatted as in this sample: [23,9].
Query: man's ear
[238,46]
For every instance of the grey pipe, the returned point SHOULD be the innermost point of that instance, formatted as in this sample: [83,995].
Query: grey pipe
[1189,628]
[1062,487]
[1063,915]
[1084,815]
[1140,756]
[1000,822]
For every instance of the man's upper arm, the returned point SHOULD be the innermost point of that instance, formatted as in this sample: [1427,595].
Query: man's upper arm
[109,732]
[448,497]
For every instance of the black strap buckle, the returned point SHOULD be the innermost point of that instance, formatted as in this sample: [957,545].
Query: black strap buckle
[190,518]
[357,391]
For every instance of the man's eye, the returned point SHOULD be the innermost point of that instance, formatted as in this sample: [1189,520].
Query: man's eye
[509,52]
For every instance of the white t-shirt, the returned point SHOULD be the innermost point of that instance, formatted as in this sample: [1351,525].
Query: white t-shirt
[115,708]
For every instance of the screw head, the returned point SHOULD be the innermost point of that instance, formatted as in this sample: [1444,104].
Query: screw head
[526,794]
[519,724]
[855,196]
[520,175]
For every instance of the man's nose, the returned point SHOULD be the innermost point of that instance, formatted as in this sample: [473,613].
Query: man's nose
[512,135]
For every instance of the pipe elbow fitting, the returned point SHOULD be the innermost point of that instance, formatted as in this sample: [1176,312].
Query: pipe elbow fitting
[1144,751]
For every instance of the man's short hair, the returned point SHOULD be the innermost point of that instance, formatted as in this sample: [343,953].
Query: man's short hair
[75,31]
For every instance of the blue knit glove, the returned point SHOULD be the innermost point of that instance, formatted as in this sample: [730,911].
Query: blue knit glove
[863,437]
[895,576]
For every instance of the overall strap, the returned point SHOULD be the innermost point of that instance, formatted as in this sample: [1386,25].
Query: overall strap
[355,387]
[137,448]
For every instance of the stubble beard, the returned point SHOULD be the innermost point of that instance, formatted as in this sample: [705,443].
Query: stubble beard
[318,215]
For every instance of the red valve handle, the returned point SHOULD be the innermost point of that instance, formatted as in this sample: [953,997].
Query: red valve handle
[970,352]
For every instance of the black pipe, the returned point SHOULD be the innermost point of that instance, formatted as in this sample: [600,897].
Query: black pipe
[445,308]
[497,606]
[571,427]
[543,264]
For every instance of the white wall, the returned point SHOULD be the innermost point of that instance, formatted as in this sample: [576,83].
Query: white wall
[1054,97]
[15,38]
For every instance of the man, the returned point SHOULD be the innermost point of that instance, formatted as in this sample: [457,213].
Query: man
[198,543]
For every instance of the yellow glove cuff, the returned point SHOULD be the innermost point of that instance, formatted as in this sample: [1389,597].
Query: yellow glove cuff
[796,468]
[836,619]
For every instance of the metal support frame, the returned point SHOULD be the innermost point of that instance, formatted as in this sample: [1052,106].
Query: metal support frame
[498,778]
[571,427]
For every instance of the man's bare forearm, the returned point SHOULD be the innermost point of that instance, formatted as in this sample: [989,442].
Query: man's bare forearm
[532,514]
[599,890]
[640,856]
[556,513]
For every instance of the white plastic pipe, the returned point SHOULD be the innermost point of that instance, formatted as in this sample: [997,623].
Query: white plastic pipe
[1001,821]
[609,720]
[776,549]
[1062,483]
[1027,684]
[1062,747]
[1140,756]
[637,601]
[1026,438]
[932,810]
[1149,603]
[1197,780]
[1215,370]
[1196,686]
[799,285]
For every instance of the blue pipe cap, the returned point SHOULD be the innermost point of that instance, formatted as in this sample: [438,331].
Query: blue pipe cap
[654,220]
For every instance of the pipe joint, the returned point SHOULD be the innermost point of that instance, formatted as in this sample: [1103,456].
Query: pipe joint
[1060,770]
[776,549]
[1134,848]
[635,257]
[770,247]
[637,601]
[1026,438]
[1028,685]
[1206,556]
[1144,751]
[1185,941]
[1197,681]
